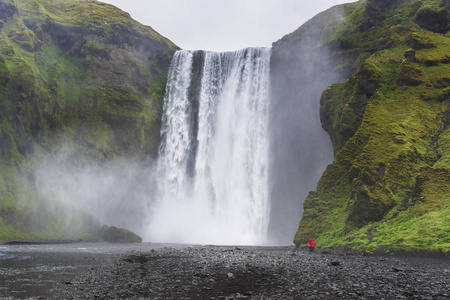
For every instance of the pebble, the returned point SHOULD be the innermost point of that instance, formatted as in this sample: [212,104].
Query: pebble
[197,272]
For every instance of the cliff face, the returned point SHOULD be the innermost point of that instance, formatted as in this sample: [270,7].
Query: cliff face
[76,74]
[301,68]
[389,124]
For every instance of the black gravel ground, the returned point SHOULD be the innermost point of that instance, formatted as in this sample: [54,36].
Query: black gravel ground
[219,272]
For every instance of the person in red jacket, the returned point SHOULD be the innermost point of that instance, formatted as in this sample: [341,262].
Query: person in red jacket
[311,244]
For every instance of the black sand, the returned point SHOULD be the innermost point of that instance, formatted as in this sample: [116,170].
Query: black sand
[149,271]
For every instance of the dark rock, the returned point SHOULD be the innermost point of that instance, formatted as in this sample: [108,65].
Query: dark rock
[434,18]
[369,78]
[7,9]
[410,55]
[398,269]
[118,235]
[411,74]
[38,242]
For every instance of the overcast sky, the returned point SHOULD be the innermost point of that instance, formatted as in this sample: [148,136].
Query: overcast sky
[222,25]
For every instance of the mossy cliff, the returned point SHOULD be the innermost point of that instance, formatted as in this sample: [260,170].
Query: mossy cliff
[389,124]
[77,74]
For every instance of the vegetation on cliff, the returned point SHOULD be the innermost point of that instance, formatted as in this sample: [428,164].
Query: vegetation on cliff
[81,76]
[388,186]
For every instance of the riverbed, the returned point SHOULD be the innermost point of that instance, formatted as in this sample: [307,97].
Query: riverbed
[162,271]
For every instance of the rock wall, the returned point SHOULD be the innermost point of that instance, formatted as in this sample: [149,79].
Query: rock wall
[80,79]
[388,124]
[301,67]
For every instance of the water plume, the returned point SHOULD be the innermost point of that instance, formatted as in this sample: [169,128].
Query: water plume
[115,192]
[213,160]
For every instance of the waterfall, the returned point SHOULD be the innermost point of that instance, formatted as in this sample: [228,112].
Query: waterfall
[213,159]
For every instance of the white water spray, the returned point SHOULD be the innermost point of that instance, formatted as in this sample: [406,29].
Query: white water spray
[213,165]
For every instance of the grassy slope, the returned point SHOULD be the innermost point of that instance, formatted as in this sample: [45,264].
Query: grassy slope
[76,74]
[389,123]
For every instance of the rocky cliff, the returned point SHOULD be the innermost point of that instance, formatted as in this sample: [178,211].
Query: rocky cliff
[388,186]
[80,78]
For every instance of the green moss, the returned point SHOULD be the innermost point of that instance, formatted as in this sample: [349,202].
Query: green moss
[443,150]
[88,14]
[416,228]
[412,74]
[74,75]
[389,122]
[118,235]
[434,16]
[93,48]
[9,233]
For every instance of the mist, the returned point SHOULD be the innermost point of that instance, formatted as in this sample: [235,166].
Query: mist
[300,149]
[115,193]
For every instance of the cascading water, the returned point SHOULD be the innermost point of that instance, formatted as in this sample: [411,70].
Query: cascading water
[213,159]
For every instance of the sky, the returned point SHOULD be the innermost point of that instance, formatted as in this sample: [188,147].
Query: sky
[223,25]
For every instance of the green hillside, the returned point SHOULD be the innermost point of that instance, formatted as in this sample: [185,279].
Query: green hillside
[77,77]
[388,187]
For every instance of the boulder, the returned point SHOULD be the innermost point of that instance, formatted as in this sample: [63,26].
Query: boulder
[113,234]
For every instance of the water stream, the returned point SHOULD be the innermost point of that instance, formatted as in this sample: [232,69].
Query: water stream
[213,161]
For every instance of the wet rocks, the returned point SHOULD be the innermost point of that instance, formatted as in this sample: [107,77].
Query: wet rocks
[213,272]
